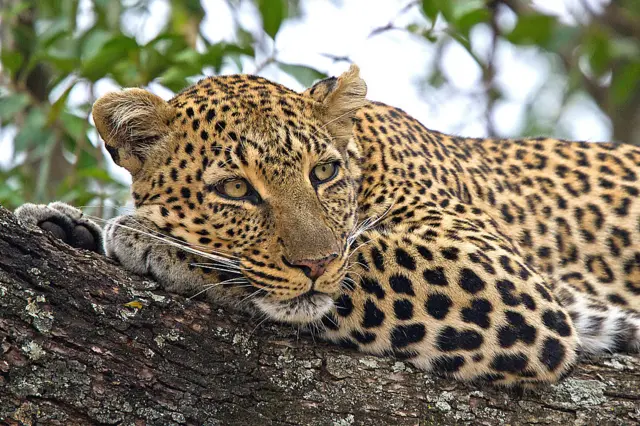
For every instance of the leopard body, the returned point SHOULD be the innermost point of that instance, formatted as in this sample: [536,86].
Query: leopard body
[496,261]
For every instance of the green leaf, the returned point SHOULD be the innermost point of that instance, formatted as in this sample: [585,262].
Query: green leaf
[175,78]
[273,13]
[93,43]
[97,174]
[244,37]
[128,73]
[465,22]
[188,56]
[86,161]
[76,127]
[108,12]
[33,132]
[624,83]
[54,31]
[626,48]
[11,193]
[61,63]
[532,29]
[460,8]
[114,50]
[13,10]
[167,44]
[304,74]
[215,55]
[59,105]
[11,60]
[597,49]
[432,8]
[563,36]
[11,105]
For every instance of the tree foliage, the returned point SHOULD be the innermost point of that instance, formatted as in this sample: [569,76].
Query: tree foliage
[593,49]
[53,53]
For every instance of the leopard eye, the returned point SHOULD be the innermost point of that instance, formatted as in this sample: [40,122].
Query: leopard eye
[324,172]
[235,188]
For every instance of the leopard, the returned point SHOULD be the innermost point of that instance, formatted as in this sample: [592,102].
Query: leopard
[486,260]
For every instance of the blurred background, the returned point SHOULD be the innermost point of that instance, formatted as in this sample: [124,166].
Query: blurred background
[563,68]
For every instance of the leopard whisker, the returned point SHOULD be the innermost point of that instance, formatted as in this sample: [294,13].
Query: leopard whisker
[352,284]
[356,230]
[357,274]
[164,237]
[324,126]
[222,269]
[188,245]
[208,249]
[363,229]
[362,265]
[331,319]
[347,278]
[355,250]
[351,280]
[178,245]
[253,295]
[262,321]
[210,286]
[209,265]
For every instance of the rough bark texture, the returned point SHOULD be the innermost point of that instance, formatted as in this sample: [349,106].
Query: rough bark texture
[73,352]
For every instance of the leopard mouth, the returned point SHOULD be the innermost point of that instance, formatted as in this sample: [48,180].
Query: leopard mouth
[304,309]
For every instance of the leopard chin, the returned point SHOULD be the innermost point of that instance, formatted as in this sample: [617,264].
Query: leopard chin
[305,309]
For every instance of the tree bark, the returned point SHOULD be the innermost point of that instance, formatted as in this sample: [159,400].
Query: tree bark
[73,350]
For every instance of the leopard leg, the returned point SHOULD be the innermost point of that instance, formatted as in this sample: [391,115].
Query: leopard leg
[455,297]
[138,245]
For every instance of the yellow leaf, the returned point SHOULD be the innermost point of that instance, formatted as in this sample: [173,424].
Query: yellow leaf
[134,304]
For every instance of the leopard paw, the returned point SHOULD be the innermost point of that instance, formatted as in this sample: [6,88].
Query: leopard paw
[64,222]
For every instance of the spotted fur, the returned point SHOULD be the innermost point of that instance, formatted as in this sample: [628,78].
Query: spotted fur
[493,261]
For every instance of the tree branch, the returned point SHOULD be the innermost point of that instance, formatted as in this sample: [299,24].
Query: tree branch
[73,352]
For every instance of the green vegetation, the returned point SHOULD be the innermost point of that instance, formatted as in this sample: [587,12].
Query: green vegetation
[48,51]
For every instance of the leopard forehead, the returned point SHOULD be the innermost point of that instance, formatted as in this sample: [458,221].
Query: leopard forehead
[229,110]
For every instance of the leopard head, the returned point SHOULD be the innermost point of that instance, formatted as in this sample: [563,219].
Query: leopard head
[244,168]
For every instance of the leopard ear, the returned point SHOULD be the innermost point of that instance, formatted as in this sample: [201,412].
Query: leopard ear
[131,122]
[338,100]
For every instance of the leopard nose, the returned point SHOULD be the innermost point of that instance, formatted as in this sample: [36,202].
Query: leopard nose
[313,268]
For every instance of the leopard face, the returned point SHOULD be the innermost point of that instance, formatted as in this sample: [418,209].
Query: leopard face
[248,170]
